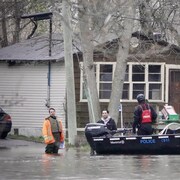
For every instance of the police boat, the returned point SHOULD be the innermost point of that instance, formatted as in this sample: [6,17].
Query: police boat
[122,141]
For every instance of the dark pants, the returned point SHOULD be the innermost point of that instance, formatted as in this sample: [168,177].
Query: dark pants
[52,148]
[145,129]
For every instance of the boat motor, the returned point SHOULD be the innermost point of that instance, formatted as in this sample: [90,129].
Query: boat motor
[95,130]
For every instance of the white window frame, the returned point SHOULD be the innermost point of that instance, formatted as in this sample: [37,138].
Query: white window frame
[146,64]
[97,79]
[130,82]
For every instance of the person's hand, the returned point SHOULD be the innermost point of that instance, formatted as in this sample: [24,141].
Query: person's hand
[62,145]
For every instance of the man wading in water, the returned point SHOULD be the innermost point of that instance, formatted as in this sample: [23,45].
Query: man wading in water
[52,132]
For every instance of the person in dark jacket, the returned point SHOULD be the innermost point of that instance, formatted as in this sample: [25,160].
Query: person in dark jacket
[144,116]
[107,120]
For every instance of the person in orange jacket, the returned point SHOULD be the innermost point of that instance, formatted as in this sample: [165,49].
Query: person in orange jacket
[52,132]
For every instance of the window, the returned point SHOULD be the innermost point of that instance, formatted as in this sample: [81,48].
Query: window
[125,94]
[146,78]
[125,91]
[105,80]
[155,84]
[138,73]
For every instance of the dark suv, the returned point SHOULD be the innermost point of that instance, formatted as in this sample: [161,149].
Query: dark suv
[5,124]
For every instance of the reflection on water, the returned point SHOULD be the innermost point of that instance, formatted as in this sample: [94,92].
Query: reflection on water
[26,162]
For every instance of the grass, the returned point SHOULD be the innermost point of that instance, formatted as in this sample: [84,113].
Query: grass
[80,143]
[25,138]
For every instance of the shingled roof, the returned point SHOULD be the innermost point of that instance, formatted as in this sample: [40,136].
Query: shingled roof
[35,49]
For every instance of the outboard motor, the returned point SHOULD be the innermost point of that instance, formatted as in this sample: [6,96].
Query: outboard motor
[95,130]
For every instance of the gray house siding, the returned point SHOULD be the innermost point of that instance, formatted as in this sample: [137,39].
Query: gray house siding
[24,91]
[58,89]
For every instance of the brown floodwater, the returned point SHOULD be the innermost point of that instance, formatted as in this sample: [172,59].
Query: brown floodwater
[19,160]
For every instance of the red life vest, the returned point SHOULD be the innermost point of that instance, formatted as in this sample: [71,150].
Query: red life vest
[146,114]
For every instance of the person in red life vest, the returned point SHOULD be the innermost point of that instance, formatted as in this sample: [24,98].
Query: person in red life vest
[144,116]
[107,120]
[52,132]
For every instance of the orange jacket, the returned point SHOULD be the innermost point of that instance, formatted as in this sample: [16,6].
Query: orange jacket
[47,132]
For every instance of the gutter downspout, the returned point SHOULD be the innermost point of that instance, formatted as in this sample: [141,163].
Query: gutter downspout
[49,85]
[49,64]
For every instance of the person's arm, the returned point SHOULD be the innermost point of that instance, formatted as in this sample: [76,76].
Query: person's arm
[134,127]
[44,130]
[153,114]
[137,119]
[100,121]
[61,130]
[111,125]
[114,127]
[48,139]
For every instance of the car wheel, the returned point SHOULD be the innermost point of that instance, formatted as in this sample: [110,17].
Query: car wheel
[4,135]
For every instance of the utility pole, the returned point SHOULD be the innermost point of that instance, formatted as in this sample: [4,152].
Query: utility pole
[69,67]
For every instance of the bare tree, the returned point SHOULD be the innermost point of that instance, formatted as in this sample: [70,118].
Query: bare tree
[70,86]
[4,39]
[121,59]
[97,22]
[86,30]
[101,21]
[161,17]
[10,22]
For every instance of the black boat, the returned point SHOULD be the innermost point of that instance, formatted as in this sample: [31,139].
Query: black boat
[103,141]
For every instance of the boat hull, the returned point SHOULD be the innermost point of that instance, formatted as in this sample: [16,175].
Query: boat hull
[103,141]
[155,144]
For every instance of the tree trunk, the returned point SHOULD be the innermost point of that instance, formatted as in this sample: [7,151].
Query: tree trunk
[70,87]
[145,15]
[17,21]
[4,41]
[119,74]
[88,68]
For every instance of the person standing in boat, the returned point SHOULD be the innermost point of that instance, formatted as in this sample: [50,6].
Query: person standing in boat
[144,116]
[107,120]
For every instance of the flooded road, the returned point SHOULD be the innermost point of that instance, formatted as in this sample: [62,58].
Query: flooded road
[27,160]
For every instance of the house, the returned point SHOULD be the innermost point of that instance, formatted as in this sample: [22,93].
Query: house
[31,80]
[153,68]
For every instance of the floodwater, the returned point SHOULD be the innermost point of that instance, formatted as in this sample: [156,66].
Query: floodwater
[28,161]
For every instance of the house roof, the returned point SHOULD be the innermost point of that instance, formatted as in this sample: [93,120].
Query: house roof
[35,49]
[156,39]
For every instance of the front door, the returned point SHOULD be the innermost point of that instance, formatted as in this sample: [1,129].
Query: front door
[174,89]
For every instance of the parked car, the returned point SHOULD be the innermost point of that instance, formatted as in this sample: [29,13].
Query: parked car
[5,124]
